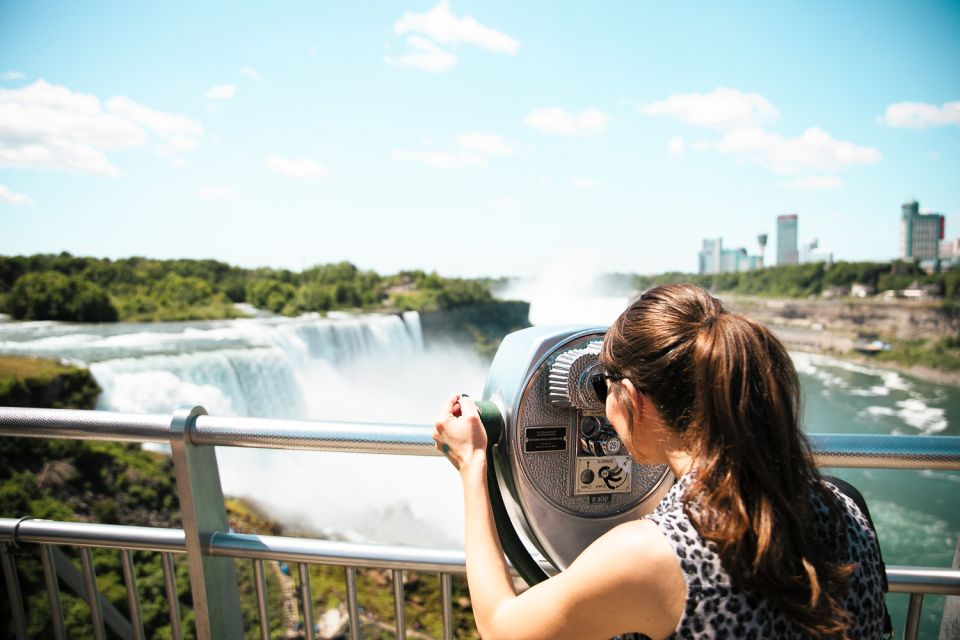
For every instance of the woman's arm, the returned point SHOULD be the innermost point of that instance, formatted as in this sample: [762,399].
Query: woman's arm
[488,575]
[460,436]
[628,580]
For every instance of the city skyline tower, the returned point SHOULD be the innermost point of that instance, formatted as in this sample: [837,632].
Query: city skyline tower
[787,252]
[920,233]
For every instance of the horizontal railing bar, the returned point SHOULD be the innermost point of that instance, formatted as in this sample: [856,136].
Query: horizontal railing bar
[943,582]
[830,450]
[902,579]
[340,437]
[74,424]
[235,545]
[885,451]
[261,433]
[111,536]
[335,552]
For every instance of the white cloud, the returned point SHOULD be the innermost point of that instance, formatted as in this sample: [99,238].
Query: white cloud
[424,54]
[490,144]
[814,150]
[920,115]
[812,183]
[312,50]
[11,75]
[440,159]
[507,202]
[46,126]
[557,120]
[441,25]
[723,109]
[476,147]
[6,195]
[217,192]
[676,147]
[297,167]
[221,92]
[164,125]
[253,74]
[585,183]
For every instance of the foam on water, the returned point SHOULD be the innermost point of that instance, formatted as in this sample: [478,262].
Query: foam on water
[926,419]
[876,390]
[913,412]
[905,532]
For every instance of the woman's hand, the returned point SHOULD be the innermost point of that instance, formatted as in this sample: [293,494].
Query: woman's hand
[459,433]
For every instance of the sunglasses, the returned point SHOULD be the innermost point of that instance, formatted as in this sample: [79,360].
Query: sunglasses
[599,383]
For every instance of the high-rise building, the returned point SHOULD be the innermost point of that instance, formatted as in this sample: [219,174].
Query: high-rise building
[710,256]
[787,239]
[920,233]
[713,258]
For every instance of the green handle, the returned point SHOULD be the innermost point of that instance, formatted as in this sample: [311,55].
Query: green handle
[513,547]
[491,419]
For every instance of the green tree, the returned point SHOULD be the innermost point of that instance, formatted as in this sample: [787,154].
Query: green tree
[50,295]
[313,296]
[271,294]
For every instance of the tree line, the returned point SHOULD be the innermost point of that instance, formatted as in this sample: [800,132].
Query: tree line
[71,288]
[84,289]
[804,280]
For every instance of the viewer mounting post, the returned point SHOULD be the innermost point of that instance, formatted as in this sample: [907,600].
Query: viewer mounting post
[213,580]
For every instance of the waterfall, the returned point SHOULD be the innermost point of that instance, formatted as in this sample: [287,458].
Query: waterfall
[256,367]
[371,368]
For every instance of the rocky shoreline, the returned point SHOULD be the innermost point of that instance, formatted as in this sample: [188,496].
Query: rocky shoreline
[831,327]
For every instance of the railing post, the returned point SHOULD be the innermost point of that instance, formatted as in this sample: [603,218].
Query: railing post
[13,591]
[213,580]
[950,622]
[53,592]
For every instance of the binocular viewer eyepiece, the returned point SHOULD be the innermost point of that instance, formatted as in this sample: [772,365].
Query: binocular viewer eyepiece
[558,474]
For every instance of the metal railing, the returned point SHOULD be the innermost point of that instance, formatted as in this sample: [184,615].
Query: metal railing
[211,549]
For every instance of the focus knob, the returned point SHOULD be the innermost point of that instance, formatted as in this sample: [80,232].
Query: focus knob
[570,378]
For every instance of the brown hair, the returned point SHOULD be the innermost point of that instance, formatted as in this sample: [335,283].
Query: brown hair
[726,384]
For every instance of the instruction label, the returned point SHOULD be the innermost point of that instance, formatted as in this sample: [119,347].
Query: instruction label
[611,474]
[541,439]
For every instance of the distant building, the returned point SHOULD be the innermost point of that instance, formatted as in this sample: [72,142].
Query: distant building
[787,239]
[920,233]
[710,256]
[813,252]
[950,249]
[713,258]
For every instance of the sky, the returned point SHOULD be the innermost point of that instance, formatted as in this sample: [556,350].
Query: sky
[473,138]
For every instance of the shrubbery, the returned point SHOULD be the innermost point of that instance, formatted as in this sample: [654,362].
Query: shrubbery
[803,280]
[50,295]
[65,287]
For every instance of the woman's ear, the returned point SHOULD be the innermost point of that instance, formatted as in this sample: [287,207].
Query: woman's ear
[635,397]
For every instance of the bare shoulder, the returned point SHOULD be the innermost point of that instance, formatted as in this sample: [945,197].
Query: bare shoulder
[642,578]
[628,580]
[640,551]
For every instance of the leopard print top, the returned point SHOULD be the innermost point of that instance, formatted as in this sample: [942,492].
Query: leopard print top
[715,608]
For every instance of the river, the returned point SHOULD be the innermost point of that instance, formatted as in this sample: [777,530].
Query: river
[376,368]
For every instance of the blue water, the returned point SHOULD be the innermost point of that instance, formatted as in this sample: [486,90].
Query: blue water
[917,513]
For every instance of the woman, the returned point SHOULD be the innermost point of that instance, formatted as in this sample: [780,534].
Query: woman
[750,541]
